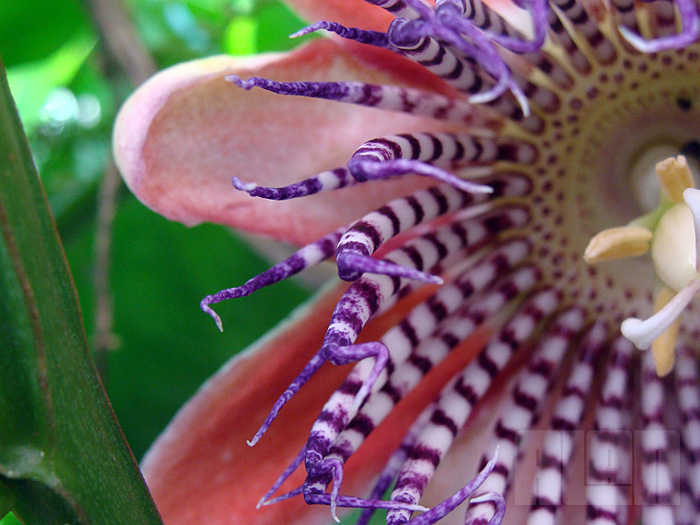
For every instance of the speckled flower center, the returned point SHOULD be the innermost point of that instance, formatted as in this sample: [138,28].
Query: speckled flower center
[595,171]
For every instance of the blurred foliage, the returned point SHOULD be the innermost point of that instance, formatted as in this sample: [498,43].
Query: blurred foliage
[68,102]
[164,347]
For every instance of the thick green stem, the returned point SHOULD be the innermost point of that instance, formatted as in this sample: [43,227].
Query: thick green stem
[63,457]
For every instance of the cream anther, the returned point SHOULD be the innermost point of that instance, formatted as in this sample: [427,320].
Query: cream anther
[673,247]
[674,177]
[617,243]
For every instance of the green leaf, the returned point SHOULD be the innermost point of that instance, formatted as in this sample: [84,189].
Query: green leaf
[168,346]
[275,23]
[240,36]
[34,81]
[62,454]
[30,30]
[9,520]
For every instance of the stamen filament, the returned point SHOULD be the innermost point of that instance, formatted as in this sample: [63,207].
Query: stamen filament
[663,348]
[642,333]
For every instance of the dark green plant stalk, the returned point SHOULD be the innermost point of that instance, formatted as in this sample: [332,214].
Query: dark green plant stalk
[63,457]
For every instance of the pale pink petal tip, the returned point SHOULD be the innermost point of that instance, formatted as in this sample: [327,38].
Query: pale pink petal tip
[182,137]
[136,115]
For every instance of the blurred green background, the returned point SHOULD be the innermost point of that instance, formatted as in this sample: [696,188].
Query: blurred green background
[68,87]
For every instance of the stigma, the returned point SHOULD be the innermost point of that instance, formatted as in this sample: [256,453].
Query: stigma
[670,235]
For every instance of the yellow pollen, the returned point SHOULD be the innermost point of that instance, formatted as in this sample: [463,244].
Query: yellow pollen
[618,243]
[674,177]
[663,347]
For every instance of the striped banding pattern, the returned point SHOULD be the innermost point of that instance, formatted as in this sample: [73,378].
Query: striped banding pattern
[444,149]
[688,392]
[529,158]
[456,404]
[371,291]
[426,153]
[609,476]
[573,11]
[451,503]
[657,484]
[476,13]
[624,14]
[527,395]
[423,358]
[421,153]
[365,236]
[390,98]
[601,49]
[446,23]
[403,339]
[463,72]
[453,242]
[460,73]
[458,62]
[663,24]
[398,8]
[325,181]
[397,459]
[559,442]
[685,511]
[349,316]
[663,18]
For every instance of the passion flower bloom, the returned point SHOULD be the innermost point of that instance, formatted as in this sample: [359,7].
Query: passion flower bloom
[457,167]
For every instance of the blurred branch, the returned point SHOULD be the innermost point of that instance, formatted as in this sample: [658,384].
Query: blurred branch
[104,340]
[121,41]
[123,49]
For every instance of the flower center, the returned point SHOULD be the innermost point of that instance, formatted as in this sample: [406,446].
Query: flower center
[621,141]
[597,171]
[670,230]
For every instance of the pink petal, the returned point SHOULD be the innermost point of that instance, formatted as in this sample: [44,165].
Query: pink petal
[200,470]
[186,132]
